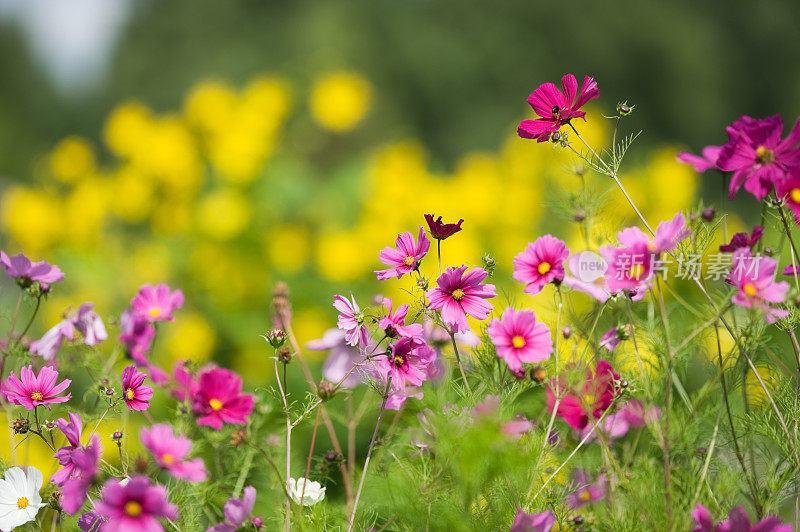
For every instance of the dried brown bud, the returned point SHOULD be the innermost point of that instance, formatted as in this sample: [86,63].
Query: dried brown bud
[538,374]
[238,438]
[20,426]
[141,464]
[285,355]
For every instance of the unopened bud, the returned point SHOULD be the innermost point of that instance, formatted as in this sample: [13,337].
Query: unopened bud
[109,391]
[520,373]
[326,390]
[579,216]
[538,374]
[422,282]
[489,264]
[20,426]
[768,251]
[117,436]
[708,214]
[276,338]
[332,456]
[624,109]
[556,136]
[258,523]
[44,288]
[238,438]
[566,332]
[140,464]
[578,519]
[623,383]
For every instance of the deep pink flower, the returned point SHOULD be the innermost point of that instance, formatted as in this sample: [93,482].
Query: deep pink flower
[170,452]
[541,522]
[341,359]
[393,324]
[632,414]
[79,464]
[30,391]
[757,156]
[186,386]
[754,277]
[542,262]
[157,303]
[351,321]
[405,258]
[19,267]
[440,230]
[632,265]
[135,392]
[72,431]
[702,162]
[590,398]
[136,506]
[218,399]
[586,492]
[738,521]
[791,270]
[460,292]
[519,338]
[557,107]
[408,362]
[743,240]
[237,512]
[137,334]
[613,337]
[789,191]
[85,321]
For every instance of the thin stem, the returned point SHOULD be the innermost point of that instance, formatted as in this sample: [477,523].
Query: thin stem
[667,405]
[439,253]
[458,360]
[288,522]
[30,321]
[310,454]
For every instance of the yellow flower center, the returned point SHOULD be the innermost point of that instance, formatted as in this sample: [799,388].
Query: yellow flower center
[155,312]
[543,268]
[398,360]
[409,261]
[651,247]
[518,342]
[129,394]
[636,271]
[215,404]
[168,459]
[589,399]
[794,195]
[37,396]
[764,155]
[458,294]
[133,508]
[585,496]
[22,503]
[749,289]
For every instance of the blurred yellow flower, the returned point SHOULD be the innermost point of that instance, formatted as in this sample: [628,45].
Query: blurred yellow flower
[72,159]
[191,337]
[209,105]
[223,214]
[756,395]
[32,217]
[133,194]
[340,101]
[128,128]
[288,247]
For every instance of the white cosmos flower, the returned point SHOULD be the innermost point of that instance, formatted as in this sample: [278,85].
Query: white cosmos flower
[314,492]
[19,497]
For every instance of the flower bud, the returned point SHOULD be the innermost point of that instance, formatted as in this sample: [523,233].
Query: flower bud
[489,264]
[623,383]
[117,436]
[579,216]
[281,307]
[538,374]
[624,109]
[578,519]
[109,391]
[276,338]
[768,251]
[238,438]
[20,426]
[332,457]
[140,464]
[55,500]
[520,373]
[556,136]
[326,390]
[566,332]
[44,288]
[422,282]
[708,214]
[258,523]
[285,355]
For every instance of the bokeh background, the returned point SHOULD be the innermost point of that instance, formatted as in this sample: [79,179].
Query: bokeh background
[223,146]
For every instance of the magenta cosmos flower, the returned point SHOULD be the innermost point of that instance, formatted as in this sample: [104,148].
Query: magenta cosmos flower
[351,321]
[590,398]
[703,162]
[79,464]
[135,506]
[19,267]
[217,399]
[757,156]
[586,492]
[440,230]
[405,258]
[557,107]
[519,338]
[136,334]
[460,293]
[542,522]
[789,191]
[616,425]
[30,391]
[135,392]
[170,452]
[738,521]
[237,512]
[157,303]
[631,265]
[754,277]
[743,240]
[542,262]
[394,323]
[408,362]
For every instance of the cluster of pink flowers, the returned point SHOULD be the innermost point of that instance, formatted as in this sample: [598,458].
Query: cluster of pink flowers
[215,395]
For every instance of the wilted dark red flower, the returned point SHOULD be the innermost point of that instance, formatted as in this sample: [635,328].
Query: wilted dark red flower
[440,230]
[743,240]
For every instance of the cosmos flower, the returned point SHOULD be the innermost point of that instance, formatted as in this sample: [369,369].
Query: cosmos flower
[342,358]
[135,393]
[136,334]
[743,240]
[633,414]
[703,162]
[613,337]
[398,398]
[91,521]
[789,191]
[217,399]
[754,277]
[157,303]
[134,505]
[590,398]
[738,521]
[408,362]
[29,390]
[310,492]
[542,262]
[237,512]
[170,452]
[405,258]
[19,497]
[20,268]
[586,492]
[541,522]
[557,107]
[757,156]
[460,293]
[86,322]
[393,323]
[519,338]
[351,321]
[440,230]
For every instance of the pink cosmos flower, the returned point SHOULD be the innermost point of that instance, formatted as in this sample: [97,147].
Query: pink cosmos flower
[341,359]
[393,324]
[72,431]
[136,334]
[134,506]
[542,262]
[541,522]
[754,277]
[398,398]
[757,156]
[632,265]
[519,338]
[702,162]
[591,398]
[586,492]
[91,521]
[351,321]
[136,394]
[440,230]
[19,267]
[613,337]
[30,391]
[743,240]
[460,292]
[218,399]
[85,321]
[170,452]
[79,464]
[406,257]
[738,521]
[616,425]
[789,191]
[186,386]
[237,512]
[157,303]
[408,362]
[556,108]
